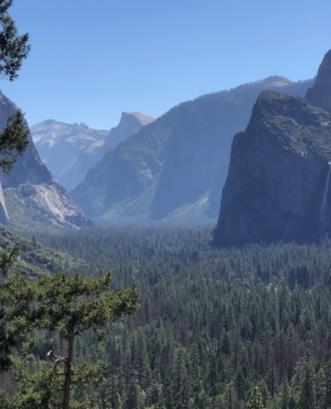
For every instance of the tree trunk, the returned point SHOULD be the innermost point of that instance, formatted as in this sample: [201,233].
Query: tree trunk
[68,373]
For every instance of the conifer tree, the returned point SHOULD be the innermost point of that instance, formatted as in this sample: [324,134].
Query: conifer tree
[321,389]
[285,398]
[14,48]
[256,399]
[68,307]
[307,392]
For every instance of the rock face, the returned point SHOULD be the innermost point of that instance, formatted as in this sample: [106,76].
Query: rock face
[43,205]
[29,198]
[69,150]
[175,167]
[320,93]
[278,185]
[279,175]
[130,123]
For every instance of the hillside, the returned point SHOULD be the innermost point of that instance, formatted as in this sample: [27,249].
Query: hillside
[36,259]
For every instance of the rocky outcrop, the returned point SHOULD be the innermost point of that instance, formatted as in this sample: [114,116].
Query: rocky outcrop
[29,198]
[130,123]
[175,167]
[278,182]
[42,206]
[320,94]
[70,150]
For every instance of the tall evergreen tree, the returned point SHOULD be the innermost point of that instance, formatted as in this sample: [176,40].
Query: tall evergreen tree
[256,399]
[307,398]
[68,307]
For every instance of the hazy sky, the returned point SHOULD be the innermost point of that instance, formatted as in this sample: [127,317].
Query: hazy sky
[93,59]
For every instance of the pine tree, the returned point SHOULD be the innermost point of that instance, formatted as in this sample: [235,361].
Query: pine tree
[307,393]
[321,389]
[14,48]
[285,398]
[68,306]
[135,398]
[256,399]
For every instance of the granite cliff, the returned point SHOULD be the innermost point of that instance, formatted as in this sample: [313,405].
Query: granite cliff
[320,93]
[278,182]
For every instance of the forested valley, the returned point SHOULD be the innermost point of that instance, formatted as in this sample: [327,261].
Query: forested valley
[216,328]
[164,314]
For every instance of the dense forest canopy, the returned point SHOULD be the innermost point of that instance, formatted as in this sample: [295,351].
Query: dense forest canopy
[214,324]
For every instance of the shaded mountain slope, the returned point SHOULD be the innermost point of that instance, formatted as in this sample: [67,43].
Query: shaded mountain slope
[178,162]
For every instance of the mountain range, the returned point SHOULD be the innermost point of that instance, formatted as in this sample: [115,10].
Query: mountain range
[172,168]
[69,150]
[175,167]
[278,186]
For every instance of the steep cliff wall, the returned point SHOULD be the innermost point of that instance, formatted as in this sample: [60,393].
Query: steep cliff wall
[278,175]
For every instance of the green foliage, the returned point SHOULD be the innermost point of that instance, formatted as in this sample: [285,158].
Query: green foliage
[31,259]
[37,389]
[213,323]
[7,260]
[72,305]
[66,307]
[14,48]
[8,336]
[16,297]
[256,399]
[13,140]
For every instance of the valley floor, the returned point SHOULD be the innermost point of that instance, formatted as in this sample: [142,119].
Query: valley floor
[213,323]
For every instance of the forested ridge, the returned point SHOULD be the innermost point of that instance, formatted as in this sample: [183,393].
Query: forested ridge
[217,328]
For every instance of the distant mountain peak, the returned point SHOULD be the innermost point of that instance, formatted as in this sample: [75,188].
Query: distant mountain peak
[320,93]
[48,122]
[69,150]
[140,117]
[277,81]
[60,143]
[130,123]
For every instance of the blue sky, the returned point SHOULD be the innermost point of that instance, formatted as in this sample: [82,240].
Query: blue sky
[93,59]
